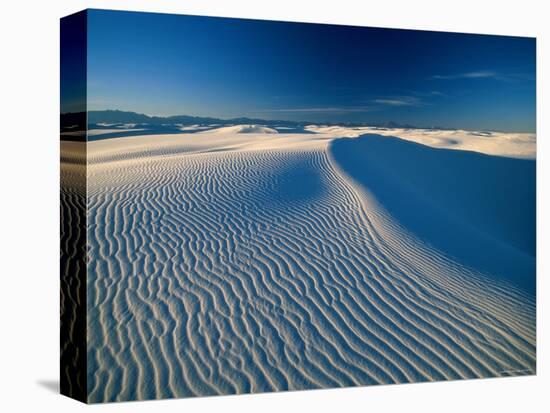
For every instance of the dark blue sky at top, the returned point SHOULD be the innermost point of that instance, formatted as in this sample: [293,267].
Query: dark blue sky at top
[162,64]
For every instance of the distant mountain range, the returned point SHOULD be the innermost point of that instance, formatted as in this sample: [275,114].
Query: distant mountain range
[76,121]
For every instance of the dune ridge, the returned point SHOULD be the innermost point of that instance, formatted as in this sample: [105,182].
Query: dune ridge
[224,263]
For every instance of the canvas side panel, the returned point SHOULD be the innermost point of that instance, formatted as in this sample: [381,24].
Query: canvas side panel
[73,205]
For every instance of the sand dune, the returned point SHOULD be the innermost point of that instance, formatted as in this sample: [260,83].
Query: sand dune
[459,201]
[192,127]
[243,129]
[225,262]
[99,132]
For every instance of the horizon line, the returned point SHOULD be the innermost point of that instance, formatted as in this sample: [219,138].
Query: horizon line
[374,124]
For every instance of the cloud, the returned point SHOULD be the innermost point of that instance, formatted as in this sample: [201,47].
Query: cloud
[399,101]
[436,93]
[468,75]
[351,109]
[482,74]
[487,74]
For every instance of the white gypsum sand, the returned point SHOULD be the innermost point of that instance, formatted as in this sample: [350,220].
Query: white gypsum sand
[514,145]
[227,262]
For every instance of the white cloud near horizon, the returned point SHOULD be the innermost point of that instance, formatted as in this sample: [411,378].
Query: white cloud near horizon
[376,104]
[399,101]
[352,109]
[468,75]
[487,74]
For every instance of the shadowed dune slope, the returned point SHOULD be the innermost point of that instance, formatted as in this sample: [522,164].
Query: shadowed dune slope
[477,208]
[73,269]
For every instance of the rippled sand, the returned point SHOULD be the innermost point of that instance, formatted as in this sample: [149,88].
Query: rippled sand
[223,263]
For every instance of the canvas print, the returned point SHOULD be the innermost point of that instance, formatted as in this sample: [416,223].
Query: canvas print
[257,206]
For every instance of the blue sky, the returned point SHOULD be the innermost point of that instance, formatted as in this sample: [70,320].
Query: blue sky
[162,64]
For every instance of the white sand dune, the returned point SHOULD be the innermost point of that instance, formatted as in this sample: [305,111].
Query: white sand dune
[243,129]
[479,209]
[191,127]
[99,132]
[225,262]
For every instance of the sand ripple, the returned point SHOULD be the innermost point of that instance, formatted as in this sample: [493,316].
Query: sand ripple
[220,272]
